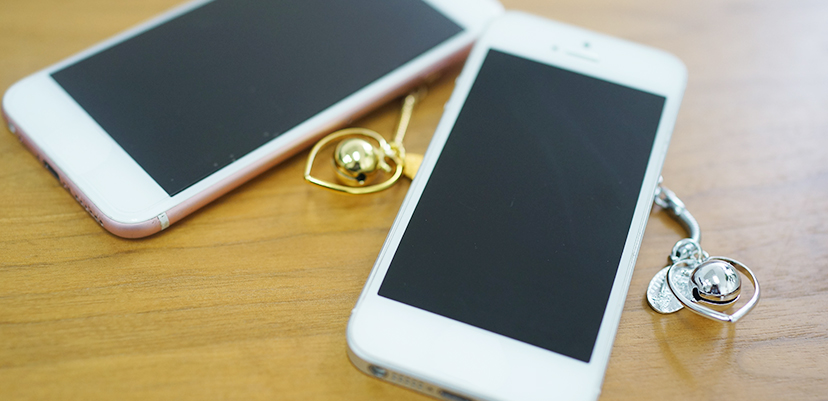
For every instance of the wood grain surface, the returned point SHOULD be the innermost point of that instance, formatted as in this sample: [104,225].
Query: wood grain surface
[249,298]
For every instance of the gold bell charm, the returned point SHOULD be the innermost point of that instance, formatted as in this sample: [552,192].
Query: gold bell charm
[357,160]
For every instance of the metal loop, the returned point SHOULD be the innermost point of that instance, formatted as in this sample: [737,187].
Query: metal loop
[700,308]
[688,249]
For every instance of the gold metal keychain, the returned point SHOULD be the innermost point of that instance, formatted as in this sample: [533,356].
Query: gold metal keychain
[358,161]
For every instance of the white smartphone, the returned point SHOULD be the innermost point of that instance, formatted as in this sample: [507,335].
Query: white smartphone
[154,123]
[506,270]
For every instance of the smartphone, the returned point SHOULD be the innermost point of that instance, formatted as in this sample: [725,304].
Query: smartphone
[506,270]
[156,122]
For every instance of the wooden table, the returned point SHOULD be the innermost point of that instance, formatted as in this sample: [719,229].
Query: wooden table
[249,298]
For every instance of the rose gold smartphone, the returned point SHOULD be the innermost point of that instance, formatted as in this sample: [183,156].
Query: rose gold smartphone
[156,122]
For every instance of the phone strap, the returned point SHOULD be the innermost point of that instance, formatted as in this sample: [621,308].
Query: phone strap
[707,285]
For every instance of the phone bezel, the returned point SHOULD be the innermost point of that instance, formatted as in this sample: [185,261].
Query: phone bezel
[123,197]
[474,362]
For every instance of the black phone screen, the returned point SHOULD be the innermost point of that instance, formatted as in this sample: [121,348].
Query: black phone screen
[521,226]
[192,95]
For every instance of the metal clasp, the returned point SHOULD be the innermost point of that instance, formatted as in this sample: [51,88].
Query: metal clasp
[668,200]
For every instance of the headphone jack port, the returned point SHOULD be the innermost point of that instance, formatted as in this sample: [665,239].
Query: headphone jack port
[51,170]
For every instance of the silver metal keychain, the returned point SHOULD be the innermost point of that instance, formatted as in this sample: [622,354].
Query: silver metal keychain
[707,285]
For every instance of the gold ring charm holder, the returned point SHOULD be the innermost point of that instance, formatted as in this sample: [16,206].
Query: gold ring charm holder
[358,161]
[707,285]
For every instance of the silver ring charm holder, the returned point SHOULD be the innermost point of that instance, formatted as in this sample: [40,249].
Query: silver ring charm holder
[707,285]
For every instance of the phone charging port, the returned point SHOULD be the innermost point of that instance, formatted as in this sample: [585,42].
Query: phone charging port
[453,397]
[51,170]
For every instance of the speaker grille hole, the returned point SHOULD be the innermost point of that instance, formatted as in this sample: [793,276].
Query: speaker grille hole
[414,384]
[406,381]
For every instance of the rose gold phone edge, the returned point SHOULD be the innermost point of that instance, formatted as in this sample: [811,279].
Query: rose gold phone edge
[188,206]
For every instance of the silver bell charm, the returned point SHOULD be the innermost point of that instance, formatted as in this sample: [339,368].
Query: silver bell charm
[706,285]
[716,282]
